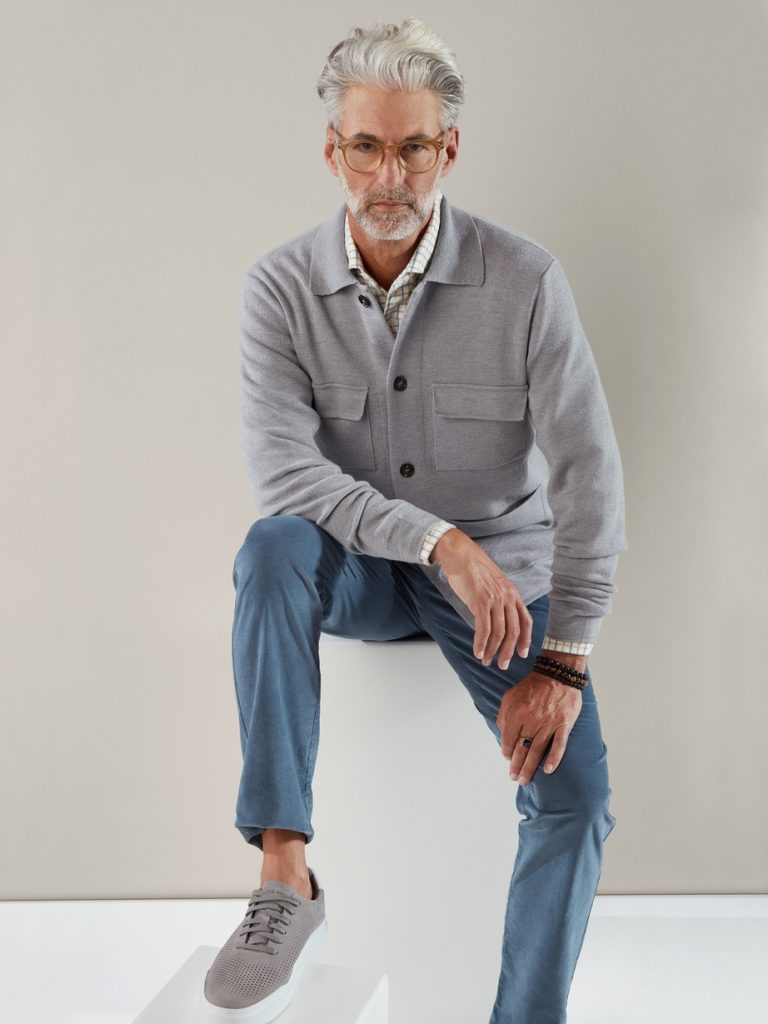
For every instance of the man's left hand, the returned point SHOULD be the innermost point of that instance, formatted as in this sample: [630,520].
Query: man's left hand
[538,707]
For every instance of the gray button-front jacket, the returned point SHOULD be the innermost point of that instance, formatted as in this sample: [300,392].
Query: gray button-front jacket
[486,410]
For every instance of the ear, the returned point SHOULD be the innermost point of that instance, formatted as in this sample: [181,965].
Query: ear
[451,149]
[329,150]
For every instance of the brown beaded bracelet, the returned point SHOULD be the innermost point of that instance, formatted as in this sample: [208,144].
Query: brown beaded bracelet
[560,671]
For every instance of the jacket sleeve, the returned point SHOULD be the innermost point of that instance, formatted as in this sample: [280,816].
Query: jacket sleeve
[574,431]
[287,472]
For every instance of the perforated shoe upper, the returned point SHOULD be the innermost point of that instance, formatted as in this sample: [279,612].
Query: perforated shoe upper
[260,954]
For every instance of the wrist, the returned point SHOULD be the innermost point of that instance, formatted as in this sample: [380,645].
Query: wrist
[445,545]
[577,661]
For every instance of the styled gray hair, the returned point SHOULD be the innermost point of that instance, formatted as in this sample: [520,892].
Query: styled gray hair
[410,57]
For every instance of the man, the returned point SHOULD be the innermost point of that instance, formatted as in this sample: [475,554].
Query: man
[416,390]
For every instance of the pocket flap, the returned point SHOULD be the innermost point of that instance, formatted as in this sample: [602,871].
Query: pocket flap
[481,401]
[345,401]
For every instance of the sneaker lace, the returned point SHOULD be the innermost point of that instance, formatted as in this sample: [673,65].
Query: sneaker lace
[265,913]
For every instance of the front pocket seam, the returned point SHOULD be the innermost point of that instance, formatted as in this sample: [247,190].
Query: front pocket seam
[480,401]
[451,437]
[332,412]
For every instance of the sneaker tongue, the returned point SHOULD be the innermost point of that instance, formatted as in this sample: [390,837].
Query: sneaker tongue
[264,915]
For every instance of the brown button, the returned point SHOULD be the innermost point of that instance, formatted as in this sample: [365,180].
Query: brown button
[363,300]
[407,469]
[400,383]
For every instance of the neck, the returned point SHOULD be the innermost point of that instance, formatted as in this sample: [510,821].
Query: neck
[385,259]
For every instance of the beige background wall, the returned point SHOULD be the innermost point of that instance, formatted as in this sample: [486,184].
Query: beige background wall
[151,153]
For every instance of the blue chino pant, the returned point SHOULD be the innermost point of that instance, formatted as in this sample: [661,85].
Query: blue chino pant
[294,580]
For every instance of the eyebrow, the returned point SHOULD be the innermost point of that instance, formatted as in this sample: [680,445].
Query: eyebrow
[374,138]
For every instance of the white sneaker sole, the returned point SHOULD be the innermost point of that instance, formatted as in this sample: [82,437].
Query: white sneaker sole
[273,1005]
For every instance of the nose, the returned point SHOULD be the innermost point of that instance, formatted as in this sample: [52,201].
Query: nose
[390,175]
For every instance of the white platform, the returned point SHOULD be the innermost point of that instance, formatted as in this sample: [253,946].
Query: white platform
[646,959]
[326,995]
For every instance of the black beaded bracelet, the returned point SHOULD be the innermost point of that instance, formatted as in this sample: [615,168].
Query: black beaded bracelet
[560,671]
[561,667]
[544,659]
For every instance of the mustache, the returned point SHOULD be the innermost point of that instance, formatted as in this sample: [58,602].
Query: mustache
[391,199]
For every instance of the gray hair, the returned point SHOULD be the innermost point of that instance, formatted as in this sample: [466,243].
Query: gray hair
[410,57]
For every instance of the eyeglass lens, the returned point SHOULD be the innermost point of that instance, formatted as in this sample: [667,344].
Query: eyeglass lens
[367,156]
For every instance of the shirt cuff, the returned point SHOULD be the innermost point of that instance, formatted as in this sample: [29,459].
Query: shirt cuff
[434,533]
[567,646]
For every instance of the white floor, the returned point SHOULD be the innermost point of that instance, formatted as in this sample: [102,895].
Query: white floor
[645,959]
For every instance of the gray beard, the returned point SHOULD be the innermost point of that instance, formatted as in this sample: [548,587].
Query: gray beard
[389,226]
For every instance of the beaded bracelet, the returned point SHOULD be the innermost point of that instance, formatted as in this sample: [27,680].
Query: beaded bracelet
[559,670]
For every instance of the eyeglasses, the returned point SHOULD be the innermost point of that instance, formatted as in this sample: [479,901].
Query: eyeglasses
[415,156]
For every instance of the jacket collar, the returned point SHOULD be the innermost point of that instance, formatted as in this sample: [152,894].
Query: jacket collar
[457,257]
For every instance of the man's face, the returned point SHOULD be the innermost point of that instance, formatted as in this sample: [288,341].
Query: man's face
[391,117]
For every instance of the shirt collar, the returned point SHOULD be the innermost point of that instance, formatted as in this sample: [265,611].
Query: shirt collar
[419,262]
[458,257]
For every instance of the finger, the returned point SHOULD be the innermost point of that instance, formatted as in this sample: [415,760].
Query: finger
[482,630]
[532,761]
[555,756]
[498,631]
[526,629]
[508,734]
[519,752]
[510,728]
[507,648]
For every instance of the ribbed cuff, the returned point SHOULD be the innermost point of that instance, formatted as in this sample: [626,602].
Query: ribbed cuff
[565,627]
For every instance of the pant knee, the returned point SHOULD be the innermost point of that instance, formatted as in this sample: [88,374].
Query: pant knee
[274,540]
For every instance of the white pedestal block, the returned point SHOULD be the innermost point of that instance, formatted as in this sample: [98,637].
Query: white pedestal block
[326,994]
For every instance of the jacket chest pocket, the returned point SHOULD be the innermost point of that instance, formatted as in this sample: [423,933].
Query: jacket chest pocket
[345,431]
[479,426]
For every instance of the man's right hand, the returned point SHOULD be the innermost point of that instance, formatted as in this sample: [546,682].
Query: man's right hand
[502,620]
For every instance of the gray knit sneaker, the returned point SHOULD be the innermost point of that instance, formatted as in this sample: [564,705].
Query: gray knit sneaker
[256,972]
